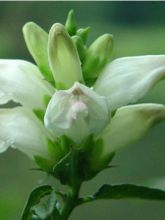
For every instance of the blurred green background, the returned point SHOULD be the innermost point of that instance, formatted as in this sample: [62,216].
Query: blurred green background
[138,29]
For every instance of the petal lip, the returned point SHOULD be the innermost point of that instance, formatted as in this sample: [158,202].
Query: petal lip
[128,79]
[21,130]
[22,82]
[76,113]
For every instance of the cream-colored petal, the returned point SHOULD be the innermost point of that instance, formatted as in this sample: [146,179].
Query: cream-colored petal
[22,82]
[37,42]
[63,58]
[129,124]
[128,79]
[20,129]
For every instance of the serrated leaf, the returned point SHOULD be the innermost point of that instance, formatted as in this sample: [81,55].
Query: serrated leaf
[34,199]
[128,191]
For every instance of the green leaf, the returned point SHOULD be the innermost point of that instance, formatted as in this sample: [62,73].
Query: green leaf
[34,199]
[128,191]
[47,209]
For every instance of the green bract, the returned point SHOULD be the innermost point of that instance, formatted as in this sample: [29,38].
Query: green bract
[60,113]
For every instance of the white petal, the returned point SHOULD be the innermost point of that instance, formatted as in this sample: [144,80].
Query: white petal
[19,128]
[130,124]
[22,82]
[77,113]
[128,79]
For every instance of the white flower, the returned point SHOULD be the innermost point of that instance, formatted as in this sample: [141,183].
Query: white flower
[77,113]
[75,110]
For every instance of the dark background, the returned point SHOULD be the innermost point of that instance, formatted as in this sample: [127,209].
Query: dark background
[138,29]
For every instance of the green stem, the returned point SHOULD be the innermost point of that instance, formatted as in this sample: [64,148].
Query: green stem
[71,203]
[75,184]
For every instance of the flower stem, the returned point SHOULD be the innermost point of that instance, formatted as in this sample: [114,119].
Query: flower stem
[74,189]
[71,203]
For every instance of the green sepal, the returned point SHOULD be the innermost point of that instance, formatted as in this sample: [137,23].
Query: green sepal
[85,167]
[129,191]
[90,82]
[70,24]
[47,99]
[46,210]
[56,150]
[39,113]
[83,33]
[45,164]
[80,46]
[34,198]
[65,143]
[96,164]
[62,170]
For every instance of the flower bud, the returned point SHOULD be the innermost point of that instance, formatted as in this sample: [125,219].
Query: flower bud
[97,56]
[83,33]
[63,58]
[80,46]
[76,113]
[37,41]
[71,23]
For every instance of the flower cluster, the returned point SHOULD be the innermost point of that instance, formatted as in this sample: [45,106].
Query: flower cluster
[75,92]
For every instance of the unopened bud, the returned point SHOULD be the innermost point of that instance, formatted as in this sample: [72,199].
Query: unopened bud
[83,33]
[37,42]
[63,58]
[97,56]
[71,23]
[80,46]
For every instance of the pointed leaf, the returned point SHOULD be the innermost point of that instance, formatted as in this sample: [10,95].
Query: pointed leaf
[129,191]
